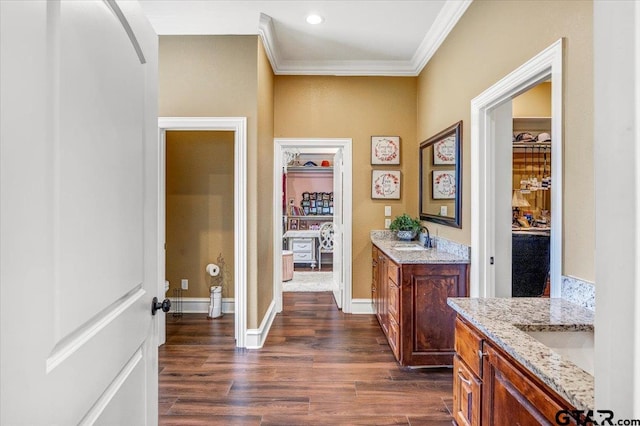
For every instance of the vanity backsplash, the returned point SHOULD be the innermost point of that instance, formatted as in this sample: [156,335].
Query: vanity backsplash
[580,292]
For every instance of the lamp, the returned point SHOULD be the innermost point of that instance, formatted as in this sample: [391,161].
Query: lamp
[518,201]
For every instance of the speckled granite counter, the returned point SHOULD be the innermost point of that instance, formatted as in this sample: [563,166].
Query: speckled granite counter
[386,242]
[505,320]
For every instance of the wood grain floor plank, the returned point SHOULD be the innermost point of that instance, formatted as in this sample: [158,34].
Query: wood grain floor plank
[312,420]
[170,420]
[240,406]
[251,388]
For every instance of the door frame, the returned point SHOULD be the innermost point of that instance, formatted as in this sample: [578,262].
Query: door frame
[238,125]
[547,64]
[279,145]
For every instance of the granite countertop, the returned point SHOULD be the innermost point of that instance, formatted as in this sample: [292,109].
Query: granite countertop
[386,243]
[505,321]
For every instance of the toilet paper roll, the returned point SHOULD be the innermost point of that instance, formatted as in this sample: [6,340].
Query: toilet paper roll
[213,269]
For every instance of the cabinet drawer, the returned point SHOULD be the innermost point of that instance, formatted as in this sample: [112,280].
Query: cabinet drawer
[393,335]
[301,257]
[394,301]
[302,245]
[393,273]
[466,395]
[468,346]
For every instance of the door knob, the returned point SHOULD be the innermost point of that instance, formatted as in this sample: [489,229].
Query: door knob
[165,305]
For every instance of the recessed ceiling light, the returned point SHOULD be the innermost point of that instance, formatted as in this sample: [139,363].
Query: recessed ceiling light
[314,19]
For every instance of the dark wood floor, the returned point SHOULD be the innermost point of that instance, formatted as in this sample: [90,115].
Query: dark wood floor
[317,367]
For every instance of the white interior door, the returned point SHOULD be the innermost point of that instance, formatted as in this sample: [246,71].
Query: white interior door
[502,129]
[338,230]
[78,209]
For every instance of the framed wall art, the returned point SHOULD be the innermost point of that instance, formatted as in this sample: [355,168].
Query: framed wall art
[385,150]
[385,184]
[444,184]
[444,151]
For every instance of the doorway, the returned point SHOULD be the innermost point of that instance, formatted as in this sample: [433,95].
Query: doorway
[308,220]
[340,152]
[491,174]
[237,125]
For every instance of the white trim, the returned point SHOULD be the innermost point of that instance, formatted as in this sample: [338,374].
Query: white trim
[256,336]
[239,126]
[311,144]
[200,305]
[616,155]
[269,41]
[446,20]
[547,64]
[362,306]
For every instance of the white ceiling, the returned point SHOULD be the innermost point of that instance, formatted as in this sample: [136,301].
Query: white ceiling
[357,37]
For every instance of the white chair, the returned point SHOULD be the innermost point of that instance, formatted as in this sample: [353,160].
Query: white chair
[326,241]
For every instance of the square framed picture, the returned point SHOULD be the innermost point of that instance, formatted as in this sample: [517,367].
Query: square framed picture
[385,184]
[444,151]
[444,184]
[385,150]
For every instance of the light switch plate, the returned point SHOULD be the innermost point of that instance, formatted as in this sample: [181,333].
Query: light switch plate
[387,223]
[185,284]
[387,211]
[443,210]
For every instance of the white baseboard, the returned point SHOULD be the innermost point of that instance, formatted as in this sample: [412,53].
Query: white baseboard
[255,337]
[228,305]
[200,305]
[362,306]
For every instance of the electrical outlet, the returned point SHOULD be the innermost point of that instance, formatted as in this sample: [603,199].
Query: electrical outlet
[185,284]
[387,223]
[443,210]
[387,211]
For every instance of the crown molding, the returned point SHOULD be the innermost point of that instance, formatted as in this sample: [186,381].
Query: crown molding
[346,68]
[448,17]
[269,40]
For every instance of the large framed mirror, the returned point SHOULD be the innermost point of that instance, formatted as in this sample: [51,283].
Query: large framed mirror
[441,177]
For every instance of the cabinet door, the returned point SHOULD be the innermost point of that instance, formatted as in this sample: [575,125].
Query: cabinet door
[383,289]
[393,297]
[512,397]
[393,336]
[466,395]
[427,324]
[374,279]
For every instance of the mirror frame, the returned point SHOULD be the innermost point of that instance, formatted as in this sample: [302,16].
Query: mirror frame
[456,221]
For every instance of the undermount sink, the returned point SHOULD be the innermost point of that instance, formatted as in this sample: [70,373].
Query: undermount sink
[409,247]
[574,346]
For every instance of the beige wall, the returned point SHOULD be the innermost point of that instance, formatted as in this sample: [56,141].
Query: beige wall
[486,45]
[535,102]
[264,169]
[217,76]
[357,108]
[199,209]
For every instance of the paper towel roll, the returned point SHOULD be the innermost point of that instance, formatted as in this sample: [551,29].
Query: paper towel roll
[213,269]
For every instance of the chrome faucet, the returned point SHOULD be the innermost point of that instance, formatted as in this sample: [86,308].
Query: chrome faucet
[427,240]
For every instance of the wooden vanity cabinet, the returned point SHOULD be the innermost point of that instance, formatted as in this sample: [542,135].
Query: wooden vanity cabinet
[410,302]
[490,388]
